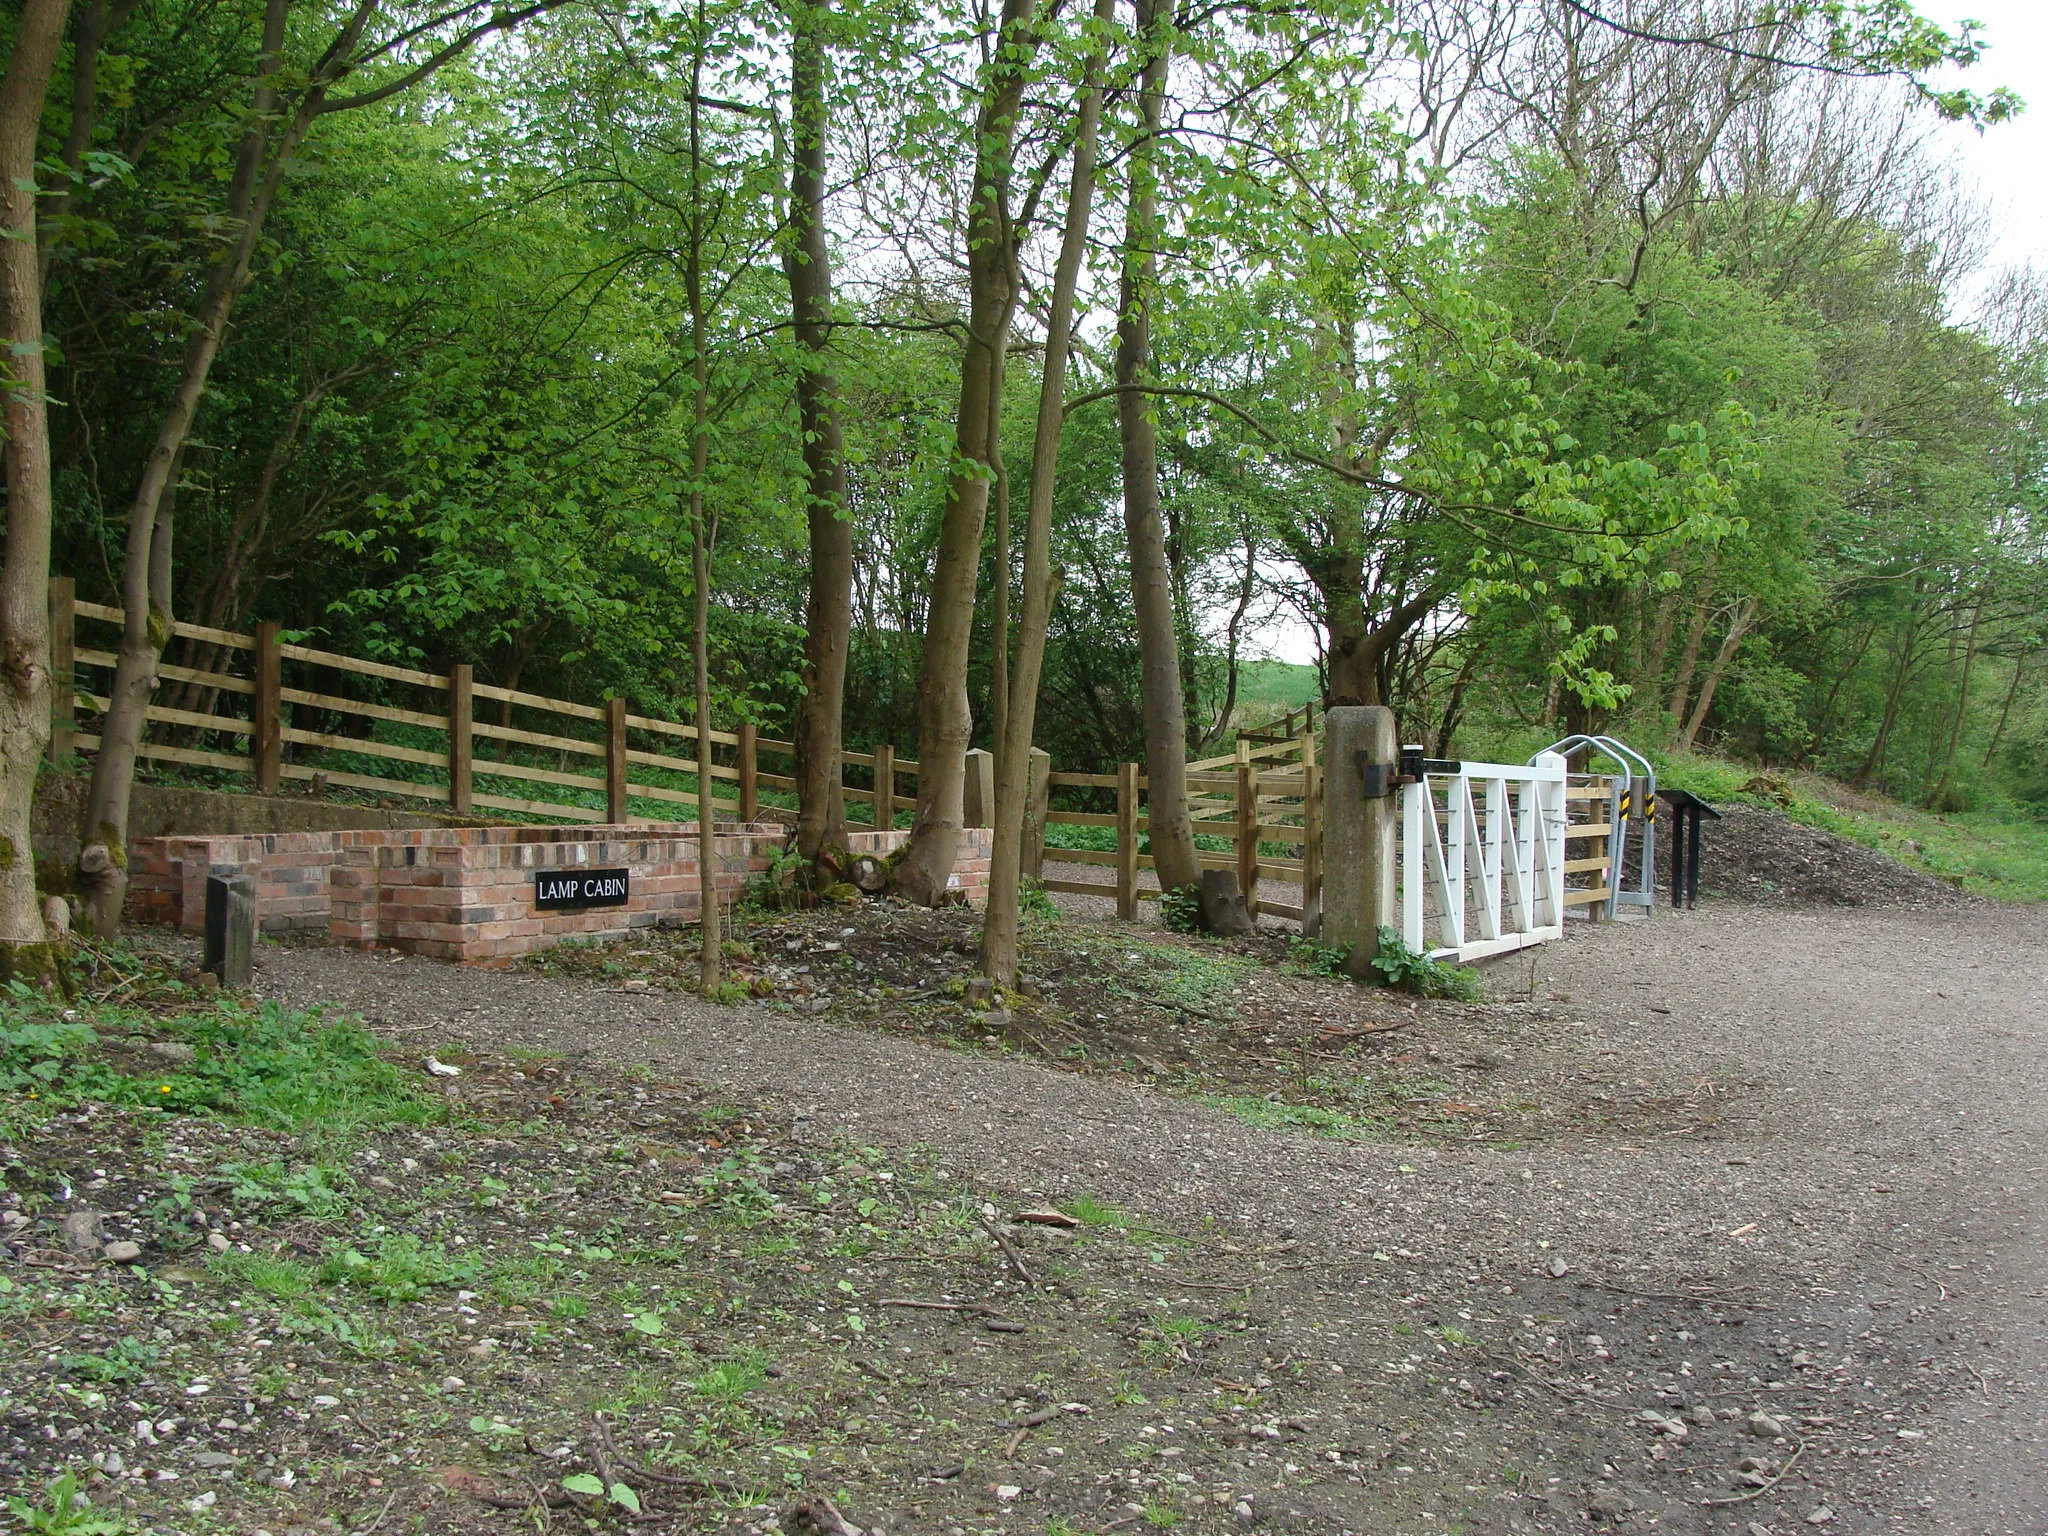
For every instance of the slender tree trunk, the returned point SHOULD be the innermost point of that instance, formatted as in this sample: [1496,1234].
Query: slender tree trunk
[1163,687]
[1013,761]
[828,616]
[1937,795]
[1738,626]
[2019,667]
[26,953]
[711,953]
[1695,636]
[999,600]
[1893,695]
[944,724]
[1662,627]
[270,143]
[103,856]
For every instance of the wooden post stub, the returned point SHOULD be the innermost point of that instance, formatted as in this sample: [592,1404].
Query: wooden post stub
[230,945]
[1358,834]
[1247,826]
[461,738]
[750,771]
[885,788]
[1127,840]
[266,741]
[615,761]
[1311,839]
[63,665]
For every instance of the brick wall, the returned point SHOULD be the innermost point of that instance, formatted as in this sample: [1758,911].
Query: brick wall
[467,893]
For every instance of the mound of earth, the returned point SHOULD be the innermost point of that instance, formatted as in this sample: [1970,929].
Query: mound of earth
[1756,854]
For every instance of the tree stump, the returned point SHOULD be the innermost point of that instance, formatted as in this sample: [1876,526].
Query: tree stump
[1224,912]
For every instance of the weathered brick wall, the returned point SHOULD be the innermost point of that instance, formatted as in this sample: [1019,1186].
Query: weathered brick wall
[467,893]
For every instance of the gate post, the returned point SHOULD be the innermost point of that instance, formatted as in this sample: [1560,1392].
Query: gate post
[1358,832]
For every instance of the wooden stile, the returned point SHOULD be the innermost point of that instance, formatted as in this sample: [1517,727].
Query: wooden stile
[1127,840]
[615,761]
[267,741]
[461,737]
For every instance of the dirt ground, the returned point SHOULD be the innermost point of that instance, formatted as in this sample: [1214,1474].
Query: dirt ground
[1730,1221]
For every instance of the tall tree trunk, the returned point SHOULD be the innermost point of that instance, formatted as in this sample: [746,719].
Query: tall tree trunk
[828,614]
[1163,689]
[944,724]
[103,855]
[26,953]
[711,954]
[1939,794]
[1738,626]
[1013,759]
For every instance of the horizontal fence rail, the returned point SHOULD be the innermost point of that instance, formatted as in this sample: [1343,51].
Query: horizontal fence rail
[254,705]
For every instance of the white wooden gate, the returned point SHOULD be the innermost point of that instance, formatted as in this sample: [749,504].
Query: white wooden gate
[1482,858]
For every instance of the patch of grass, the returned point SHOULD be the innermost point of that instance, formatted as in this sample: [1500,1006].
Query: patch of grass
[397,1268]
[262,1064]
[1273,1115]
[1091,1212]
[272,1274]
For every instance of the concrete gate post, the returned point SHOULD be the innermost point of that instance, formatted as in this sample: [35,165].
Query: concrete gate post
[1358,832]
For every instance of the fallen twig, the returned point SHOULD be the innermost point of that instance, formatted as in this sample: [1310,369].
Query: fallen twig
[366,1530]
[1010,1253]
[1757,1493]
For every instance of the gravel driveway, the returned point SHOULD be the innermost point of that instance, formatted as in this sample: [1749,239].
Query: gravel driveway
[1873,1194]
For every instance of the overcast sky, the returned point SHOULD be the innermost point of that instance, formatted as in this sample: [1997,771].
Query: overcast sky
[2010,161]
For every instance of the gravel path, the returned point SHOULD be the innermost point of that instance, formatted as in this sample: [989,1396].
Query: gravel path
[1877,1173]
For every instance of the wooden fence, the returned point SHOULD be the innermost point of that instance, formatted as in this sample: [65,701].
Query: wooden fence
[1271,794]
[275,712]
[272,711]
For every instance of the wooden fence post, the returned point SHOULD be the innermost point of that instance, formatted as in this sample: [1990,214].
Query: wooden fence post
[885,788]
[1127,840]
[750,771]
[461,738]
[615,761]
[1247,826]
[1311,839]
[266,740]
[63,665]
[1359,833]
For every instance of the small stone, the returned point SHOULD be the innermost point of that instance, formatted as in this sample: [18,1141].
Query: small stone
[218,1242]
[1757,1528]
[1559,1269]
[451,1383]
[1243,1510]
[171,1050]
[213,1459]
[1008,1491]
[1821,1515]
[82,1233]
[203,1503]
[1701,1415]
[122,1251]
[1607,1504]
[1764,1426]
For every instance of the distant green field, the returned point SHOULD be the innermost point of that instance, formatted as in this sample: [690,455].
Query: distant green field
[1282,685]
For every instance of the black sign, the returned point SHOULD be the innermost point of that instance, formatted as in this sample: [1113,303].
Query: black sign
[555,890]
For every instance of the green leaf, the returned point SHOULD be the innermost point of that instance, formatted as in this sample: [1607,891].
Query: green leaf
[647,1322]
[584,1482]
[621,1494]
